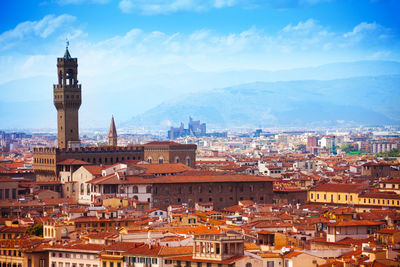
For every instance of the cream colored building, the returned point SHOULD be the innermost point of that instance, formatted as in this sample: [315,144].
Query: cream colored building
[78,255]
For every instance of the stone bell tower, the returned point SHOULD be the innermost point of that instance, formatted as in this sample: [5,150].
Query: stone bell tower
[112,134]
[67,99]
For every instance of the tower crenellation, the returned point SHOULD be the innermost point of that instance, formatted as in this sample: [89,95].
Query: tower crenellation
[67,100]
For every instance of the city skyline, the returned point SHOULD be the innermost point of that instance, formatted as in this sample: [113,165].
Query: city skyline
[133,52]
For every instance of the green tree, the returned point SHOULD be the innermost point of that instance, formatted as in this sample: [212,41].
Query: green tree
[391,153]
[348,148]
[36,229]
[301,147]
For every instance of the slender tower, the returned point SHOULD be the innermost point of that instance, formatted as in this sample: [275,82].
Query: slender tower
[112,134]
[67,99]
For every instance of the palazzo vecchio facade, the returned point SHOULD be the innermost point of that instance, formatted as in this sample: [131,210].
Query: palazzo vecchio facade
[67,100]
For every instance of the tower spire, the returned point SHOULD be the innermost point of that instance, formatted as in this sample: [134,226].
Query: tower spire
[112,134]
[67,54]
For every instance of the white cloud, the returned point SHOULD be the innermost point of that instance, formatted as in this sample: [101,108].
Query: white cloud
[306,26]
[77,2]
[300,44]
[224,3]
[154,7]
[126,6]
[372,33]
[42,28]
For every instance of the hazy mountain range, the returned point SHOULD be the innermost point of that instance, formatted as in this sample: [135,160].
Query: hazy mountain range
[351,101]
[354,93]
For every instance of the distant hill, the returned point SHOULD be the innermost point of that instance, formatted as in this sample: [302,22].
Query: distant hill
[346,102]
[138,96]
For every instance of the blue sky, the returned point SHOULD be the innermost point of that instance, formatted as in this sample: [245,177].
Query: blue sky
[129,48]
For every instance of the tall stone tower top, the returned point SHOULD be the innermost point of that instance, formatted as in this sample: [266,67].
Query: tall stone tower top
[67,100]
[112,134]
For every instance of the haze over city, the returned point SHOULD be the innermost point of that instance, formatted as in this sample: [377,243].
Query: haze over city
[137,55]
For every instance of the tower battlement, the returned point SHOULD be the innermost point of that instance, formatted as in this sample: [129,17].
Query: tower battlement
[45,150]
[58,87]
[103,149]
[62,60]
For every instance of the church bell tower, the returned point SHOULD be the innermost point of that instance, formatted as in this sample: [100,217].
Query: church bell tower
[67,100]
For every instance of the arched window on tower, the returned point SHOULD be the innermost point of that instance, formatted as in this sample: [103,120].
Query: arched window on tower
[70,77]
[60,77]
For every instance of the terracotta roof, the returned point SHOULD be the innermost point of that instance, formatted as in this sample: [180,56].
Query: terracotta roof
[190,258]
[270,255]
[56,201]
[388,231]
[387,195]
[8,229]
[77,246]
[7,179]
[210,179]
[356,223]
[95,169]
[164,168]
[158,143]
[72,162]
[349,188]
[177,179]
[292,254]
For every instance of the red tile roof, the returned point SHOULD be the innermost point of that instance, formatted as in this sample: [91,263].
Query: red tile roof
[158,143]
[356,223]
[190,258]
[349,188]
[72,162]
